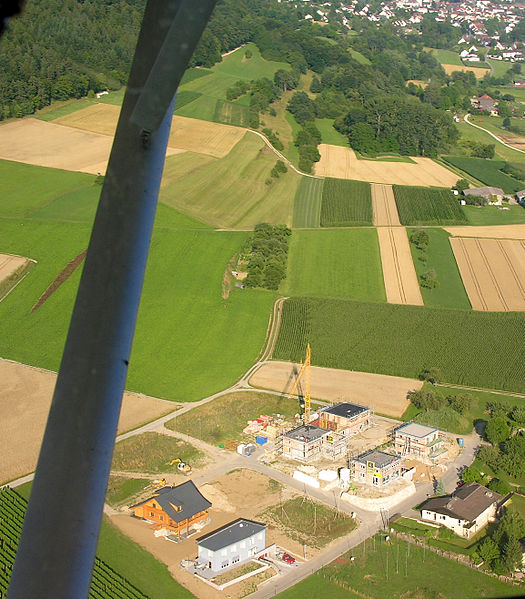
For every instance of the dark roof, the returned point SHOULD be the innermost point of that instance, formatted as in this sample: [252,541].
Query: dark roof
[185,495]
[306,433]
[466,503]
[380,458]
[235,531]
[346,410]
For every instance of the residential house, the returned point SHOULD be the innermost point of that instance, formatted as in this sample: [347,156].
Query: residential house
[346,418]
[418,441]
[485,102]
[466,511]
[304,443]
[375,468]
[179,509]
[232,544]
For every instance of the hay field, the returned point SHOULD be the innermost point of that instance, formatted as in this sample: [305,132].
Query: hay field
[493,271]
[490,231]
[9,264]
[384,394]
[478,71]
[342,163]
[384,206]
[188,134]
[25,397]
[400,277]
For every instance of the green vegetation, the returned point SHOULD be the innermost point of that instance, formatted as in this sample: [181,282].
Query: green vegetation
[486,171]
[266,252]
[307,203]
[501,152]
[335,263]
[225,418]
[383,570]
[447,57]
[329,135]
[309,522]
[237,65]
[121,489]
[152,453]
[358,56]
[63,108]
[500,67]
[428,206]
[346,203]
[405,340]
[232,113]
[185,97]
[493,215]
[438,256]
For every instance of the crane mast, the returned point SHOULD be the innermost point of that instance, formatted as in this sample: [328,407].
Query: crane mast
[304,371]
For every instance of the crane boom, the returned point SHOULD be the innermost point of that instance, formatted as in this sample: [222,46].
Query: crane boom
[305,371]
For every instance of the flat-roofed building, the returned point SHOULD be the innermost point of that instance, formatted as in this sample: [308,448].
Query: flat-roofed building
[418,441]
[375,468]
[346,418]
[304,443]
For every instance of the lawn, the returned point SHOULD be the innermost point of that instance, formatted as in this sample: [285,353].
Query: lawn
[329,135]
[493,215]
[335,263]
[225,418]
[121,489]
[152,453]
[518,501]
[450,293]
[447,57]
[486,171]
[307,203]
[233,191]
[428,206]
[405,340]
[346,203]
[397,569]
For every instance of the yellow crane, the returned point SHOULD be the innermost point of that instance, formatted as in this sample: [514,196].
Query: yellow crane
[304,371]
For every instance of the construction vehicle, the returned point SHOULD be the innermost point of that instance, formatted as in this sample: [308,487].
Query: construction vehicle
[181,466]
[304,399]
[161,482]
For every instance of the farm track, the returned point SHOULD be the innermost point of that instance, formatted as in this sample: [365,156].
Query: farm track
[466,119]
[384,206]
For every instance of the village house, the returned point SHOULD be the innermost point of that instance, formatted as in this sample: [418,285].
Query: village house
[346,418]
[375,468]
[232,545]
[493,195]
[179,510]
[419,441]
[466,511]
[485,102]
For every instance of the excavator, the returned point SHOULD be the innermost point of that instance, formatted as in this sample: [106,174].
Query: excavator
[181,466]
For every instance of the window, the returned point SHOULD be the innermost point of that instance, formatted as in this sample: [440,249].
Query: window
[225,563]
[233,548]
[152,514]
[162,517]
[236,559]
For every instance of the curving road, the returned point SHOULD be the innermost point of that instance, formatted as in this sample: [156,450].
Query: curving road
[466,119]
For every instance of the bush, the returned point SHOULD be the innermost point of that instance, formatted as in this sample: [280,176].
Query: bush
[431,375]
[445,419]
[497,430]
[420,239]
[429,279]
[500,486]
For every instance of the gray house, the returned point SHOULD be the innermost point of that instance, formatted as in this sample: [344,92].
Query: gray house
[232,544]
[493,195]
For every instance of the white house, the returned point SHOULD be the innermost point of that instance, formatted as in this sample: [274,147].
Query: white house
[231,545]
[466,511]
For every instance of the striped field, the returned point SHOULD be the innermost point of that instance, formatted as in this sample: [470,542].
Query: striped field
[307,203]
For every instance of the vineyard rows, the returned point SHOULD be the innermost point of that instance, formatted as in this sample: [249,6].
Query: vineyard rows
[428,206]
[486,171]
[346,203]
[470,348]
[105,583]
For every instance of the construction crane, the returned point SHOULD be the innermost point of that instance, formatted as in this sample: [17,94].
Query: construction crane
[304,371]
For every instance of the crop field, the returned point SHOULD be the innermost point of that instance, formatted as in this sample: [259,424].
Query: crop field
[492,232]
[342,163]
[486,171]
[232,191]
[479,72]
[384,206]
[494,124]
[307,203]
[501,152]
[231,113]
[346,203]
[450,293]
[335,263]
[404,340]
[427,206]
[493,271]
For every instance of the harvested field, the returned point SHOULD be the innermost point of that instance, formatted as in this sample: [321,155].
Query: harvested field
[384,394]
[384,206]
[400,277]
[478,71]
[493,272]
[342,163]
[25,397]
[9,264]
[193,135]
[492,232]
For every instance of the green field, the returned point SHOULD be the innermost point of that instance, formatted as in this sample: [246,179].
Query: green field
[357,56]
[329,135]
[428,206]
[231,113]
[307,203]
[230,191]
[405,340]
[397,569]
[493,215]
[500,66]
[470,133]
[346,203]
[447,57]
[335,263]
[121,489]
[185,97]
[450,292]
[486,171]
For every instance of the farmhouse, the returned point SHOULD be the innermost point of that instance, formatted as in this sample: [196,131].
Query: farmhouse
[419,441]
[176,509]
[232,544]
[346,418]
[375,468]
[493,195]
[485,102]
[466,511]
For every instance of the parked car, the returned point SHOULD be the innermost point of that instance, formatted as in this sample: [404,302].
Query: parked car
[288,559]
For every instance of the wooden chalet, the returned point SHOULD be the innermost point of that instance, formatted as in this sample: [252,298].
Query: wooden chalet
[177,509]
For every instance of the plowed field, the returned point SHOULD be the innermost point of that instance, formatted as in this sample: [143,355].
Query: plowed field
[342,163]
[493,271]
[384,206]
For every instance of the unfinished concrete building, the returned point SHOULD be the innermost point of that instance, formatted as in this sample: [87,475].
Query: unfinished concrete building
[308,443]
[346,418]
[418,441]
[375,468]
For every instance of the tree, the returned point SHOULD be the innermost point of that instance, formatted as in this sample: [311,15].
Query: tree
[461,185]
[518,414]
[316,86]
[420,239]
[460,403]
[497,430]
[512,554]
[473,475]
[432,375]
[440,487]
[506,122]
[499,486]
[429,279]
[488,550]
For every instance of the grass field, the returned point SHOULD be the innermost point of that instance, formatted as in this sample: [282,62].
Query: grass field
[492,215]
[225,418]
[329,135]
[358,57]
[185,97]
[405,340]
[121,489]
[346,203]
[500,66]
[230,191]
[231,113]
[427,206]
[486,171]
[450,293]
[447,57]
[335,263]
[307,203]
[502,152]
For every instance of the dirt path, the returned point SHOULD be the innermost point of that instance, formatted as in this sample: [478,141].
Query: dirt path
[519,140]
[384,206]
[399,274]
[493,271]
